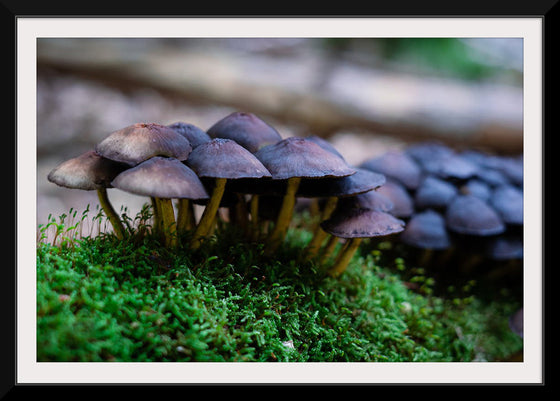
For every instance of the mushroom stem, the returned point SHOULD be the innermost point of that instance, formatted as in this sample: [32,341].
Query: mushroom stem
[185,216]
[254,210]
[328,249]
[209,213]
[156,228]
[284,216]
[168,220]
[113,217]
[344,257]
[319,234]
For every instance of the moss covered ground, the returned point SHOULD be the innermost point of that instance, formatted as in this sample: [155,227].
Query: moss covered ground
[101,299]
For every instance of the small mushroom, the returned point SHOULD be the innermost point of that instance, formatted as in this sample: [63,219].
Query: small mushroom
[455,167]
[162,179]
[247,129]
[403,203]
[293,159]
[333,189]
[195,135]
[434,193]
[428,155]
[476,187]
[507,200]
[139,142]
[468,214]
[221,160]
[398,166]
[505,247]
[90,171]
[354,225]
[426,230]
[373,200]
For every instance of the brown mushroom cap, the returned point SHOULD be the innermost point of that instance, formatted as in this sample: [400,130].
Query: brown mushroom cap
[88,171]
[398,166]
[361,223]
[505,247]
[299,157]
[507,200]
[139,142]
[195,135]
[225,158]
[161,177]
[403,204]
[372,200]
[455,166]
[476,187]
[246,129]
[434,192]
[426,230]
[360,182]
[468,214]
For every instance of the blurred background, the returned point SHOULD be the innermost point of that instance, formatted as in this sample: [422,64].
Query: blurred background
[365,95]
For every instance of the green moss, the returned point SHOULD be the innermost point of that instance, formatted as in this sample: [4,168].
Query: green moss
[101,299]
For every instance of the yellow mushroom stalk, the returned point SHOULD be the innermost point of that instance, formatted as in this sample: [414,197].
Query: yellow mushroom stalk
[355,224]
[112,215]
[284,216]
[344,257]
[209,214]
[319,235]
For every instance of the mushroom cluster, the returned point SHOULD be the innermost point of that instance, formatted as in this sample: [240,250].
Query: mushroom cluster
[240,164]
[427,196]
[452,200]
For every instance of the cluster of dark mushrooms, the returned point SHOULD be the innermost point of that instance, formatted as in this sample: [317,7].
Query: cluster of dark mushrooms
[242,165]
[469,201]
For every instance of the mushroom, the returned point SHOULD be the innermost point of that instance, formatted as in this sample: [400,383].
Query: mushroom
[434,193]
[398,166]
[333,189]
[507,200]
[195,135]
[476,187]
[221,160]
[455,167]
[90,171]
[138,142]
[468,214]
[428,155]
[293,159]
[355,224]
[373,200]
[163,179]
[403,203]
[505,247]
[246,129]
[426,230]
